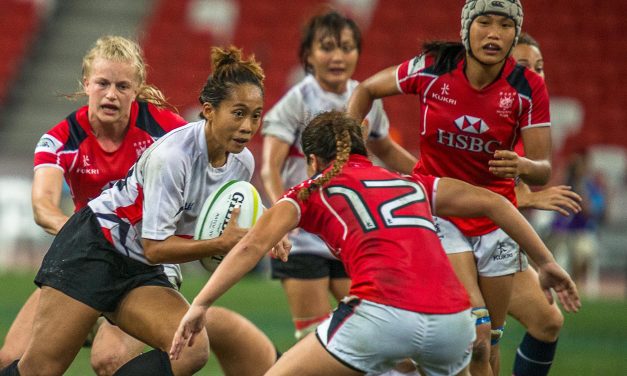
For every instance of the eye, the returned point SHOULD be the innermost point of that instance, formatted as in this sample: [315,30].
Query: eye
[327,47]
[539,70]
[348,48]
[257,115]
[238,113]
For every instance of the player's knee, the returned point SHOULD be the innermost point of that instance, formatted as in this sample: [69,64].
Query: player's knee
[196,356]
[549,327]
[106,363]
[7,357]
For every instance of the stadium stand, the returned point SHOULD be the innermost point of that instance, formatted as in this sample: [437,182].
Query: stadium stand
[18,28]
[581,53]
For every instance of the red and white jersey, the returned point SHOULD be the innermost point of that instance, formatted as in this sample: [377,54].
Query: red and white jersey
[462,127]
[72,147]
[379,224]
[165,190]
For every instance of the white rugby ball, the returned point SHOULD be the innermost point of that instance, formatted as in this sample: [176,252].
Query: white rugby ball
[216,212]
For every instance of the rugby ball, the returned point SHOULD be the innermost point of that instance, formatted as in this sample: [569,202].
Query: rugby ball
[217,209]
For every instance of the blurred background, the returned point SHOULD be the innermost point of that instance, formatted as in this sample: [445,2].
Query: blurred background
[584,44]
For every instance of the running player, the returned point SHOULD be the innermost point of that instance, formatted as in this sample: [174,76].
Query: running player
[475,104]
[405,298]
[105,260]
[329,51]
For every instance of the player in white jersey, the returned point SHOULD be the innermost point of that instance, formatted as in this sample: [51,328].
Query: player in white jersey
[106,259]
[329,51]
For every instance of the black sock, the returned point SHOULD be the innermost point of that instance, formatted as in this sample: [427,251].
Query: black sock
[151,363]
[10,370]
[534,357]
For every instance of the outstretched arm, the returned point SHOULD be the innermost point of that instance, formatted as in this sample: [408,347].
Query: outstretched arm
[460,199]
[267,232]
[559,198]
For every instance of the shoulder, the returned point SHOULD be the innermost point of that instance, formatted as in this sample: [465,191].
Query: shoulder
[155,120]
[523,80]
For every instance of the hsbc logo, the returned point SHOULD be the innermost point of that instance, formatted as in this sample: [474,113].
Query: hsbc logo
[471,124]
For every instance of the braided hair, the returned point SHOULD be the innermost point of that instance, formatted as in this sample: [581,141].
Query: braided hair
[332,137]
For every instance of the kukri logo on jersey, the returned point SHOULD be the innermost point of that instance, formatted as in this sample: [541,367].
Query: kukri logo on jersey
[469,126]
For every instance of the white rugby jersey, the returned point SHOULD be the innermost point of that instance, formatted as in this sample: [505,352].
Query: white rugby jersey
[164,191]
[287,120]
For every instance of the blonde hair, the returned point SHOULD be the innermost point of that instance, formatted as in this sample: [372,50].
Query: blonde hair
[120,49]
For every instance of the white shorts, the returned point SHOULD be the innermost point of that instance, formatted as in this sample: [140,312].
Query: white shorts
[173,272]
[371,337]
[495,252]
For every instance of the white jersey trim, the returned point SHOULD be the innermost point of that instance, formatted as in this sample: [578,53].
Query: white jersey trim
[539,125]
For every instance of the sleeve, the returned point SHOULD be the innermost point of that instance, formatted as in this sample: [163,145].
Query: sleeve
[378,122]
[535,111]
[291,196]
[429,184]
[164,183]
[168,119]
[49,147]
[407,78]
[285,120]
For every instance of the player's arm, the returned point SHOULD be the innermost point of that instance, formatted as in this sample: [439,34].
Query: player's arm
[535,167]
[559,198]
[268,231]
[460,199]
[176,250]
[392,154]
[275,152]
[381,84]
[46,199]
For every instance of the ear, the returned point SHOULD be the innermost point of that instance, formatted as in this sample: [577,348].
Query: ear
[207,110]
[85,83]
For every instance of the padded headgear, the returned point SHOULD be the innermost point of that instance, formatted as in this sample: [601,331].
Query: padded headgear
[474,8]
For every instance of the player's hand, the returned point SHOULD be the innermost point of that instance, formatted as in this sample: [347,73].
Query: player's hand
[191,325]
[505,164]
[232,232]
[282,249]
[552,276]
[559,198]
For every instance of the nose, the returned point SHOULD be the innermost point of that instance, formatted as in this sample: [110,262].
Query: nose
[110,93]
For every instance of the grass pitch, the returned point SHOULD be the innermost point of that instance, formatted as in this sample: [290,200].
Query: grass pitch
[593,341]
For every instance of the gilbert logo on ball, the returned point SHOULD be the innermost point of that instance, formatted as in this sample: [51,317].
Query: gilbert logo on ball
[218,209]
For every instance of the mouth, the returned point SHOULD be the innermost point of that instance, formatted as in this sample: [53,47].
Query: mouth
[109,108]
[491,49]
[241,141]
[337,71]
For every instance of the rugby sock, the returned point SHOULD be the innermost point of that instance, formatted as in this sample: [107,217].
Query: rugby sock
[151,363]
[534,357]
[306,326]
[10,370]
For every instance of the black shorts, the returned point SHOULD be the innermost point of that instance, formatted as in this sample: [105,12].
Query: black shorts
[82,264]
[304,266]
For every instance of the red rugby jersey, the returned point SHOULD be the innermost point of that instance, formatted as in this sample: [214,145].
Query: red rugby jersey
[379,224]
[462,127]
[72,147]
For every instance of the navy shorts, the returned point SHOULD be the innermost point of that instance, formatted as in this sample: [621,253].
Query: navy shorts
[82,264]
[304,266]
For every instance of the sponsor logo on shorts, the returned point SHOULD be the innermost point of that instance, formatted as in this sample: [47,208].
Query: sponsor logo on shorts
[504,252]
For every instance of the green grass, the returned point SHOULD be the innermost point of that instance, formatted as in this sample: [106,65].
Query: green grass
[593,342]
